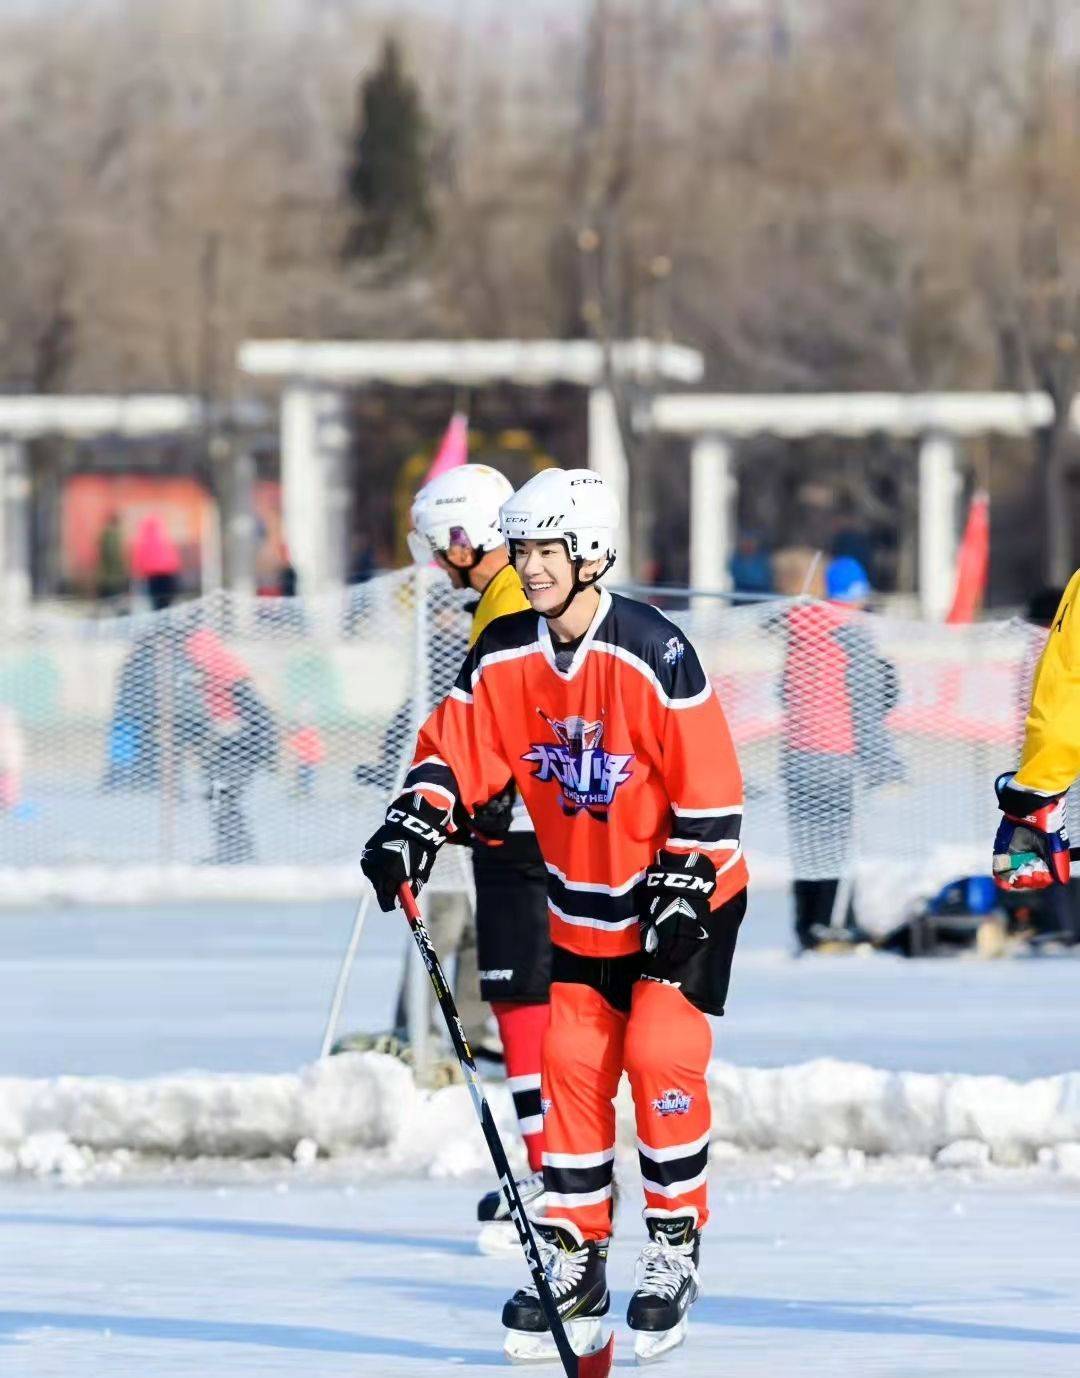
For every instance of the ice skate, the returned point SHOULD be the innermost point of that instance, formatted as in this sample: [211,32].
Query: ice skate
[576,1270]
[666,1284]
[498,1233]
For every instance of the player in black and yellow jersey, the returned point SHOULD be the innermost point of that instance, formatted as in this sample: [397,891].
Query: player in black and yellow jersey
[455,522]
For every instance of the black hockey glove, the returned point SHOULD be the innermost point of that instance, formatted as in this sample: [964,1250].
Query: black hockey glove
[677,887]
[404,848]
[493,817]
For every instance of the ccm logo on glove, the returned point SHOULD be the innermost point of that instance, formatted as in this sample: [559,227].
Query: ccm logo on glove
[415,824]
[679,880]
[404,848]
[673,925]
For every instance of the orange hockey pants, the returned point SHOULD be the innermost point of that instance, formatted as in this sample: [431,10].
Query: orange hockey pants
[663,1043]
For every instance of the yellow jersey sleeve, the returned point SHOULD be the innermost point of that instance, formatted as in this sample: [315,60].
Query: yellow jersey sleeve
[503,595]
[1050,760]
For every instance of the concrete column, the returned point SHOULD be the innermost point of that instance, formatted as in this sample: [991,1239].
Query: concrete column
[302,499]
[608,459]
[714,492]
[15,585]
[240,525]
[333,439]
[314,442]
[939,490]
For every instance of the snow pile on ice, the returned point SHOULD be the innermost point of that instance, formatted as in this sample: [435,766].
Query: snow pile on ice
[831,1104]
[342,1104]
[347,1105]
[366,1106]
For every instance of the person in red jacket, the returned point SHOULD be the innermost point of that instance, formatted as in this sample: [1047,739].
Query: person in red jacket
[156,560]
[836,690]
[232,732]
[598,708]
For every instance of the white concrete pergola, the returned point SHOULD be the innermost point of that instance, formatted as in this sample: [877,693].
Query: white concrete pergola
[314,437]
[715,422]
[25,418]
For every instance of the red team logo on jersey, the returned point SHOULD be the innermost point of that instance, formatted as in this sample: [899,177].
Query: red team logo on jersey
[587,775]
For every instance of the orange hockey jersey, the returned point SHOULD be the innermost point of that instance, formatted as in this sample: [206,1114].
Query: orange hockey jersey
[625,752]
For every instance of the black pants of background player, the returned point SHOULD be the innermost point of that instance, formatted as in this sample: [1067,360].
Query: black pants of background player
[513,943]
[819,793]
[513,948]
[513,938]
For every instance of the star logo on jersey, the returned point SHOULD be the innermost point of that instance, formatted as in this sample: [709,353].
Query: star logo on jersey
[587,775]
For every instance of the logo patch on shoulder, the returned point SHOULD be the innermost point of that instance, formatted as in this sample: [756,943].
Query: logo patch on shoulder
[673,1102]
[673,651]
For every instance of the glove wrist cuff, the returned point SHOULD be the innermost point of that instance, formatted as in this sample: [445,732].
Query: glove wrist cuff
[1019,802]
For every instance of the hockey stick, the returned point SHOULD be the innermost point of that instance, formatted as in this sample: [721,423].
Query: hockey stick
[596,1365]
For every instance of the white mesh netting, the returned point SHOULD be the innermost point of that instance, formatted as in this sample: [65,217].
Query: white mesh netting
[240,746]
[869,744]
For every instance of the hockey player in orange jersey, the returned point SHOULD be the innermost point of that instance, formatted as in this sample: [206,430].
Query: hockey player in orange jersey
[599,708]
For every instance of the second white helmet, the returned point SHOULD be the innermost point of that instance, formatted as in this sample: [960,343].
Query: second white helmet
[460,507]
[571,505]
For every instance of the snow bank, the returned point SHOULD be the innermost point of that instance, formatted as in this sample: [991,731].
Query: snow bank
[347,1105]
[366,1106]
[847,1105]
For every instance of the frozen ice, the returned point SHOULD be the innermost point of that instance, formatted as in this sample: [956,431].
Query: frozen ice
[184,1189]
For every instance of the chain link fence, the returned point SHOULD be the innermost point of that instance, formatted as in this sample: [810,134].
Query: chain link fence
[244,746]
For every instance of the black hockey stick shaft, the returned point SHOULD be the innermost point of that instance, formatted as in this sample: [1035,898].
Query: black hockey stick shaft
[576,1366]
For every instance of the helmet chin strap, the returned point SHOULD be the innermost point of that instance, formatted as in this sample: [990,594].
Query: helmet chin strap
[459,574]
[577,586]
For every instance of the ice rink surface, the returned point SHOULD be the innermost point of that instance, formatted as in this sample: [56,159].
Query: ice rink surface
[804,1277]
[808,1269]
[138,992]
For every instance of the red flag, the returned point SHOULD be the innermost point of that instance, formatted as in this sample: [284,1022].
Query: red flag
[972,561]
[453,449]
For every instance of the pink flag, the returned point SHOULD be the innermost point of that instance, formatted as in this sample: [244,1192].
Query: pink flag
[454,448]
[972,561]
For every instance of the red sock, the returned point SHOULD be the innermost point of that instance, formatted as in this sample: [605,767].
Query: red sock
[522,1028]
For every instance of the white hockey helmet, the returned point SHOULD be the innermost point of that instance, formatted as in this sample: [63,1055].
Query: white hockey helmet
[571,505]
[460,507]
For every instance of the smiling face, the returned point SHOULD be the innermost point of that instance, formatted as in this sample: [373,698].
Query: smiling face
[545,572]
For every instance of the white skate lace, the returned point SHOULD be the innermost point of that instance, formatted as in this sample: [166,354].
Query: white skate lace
[662,1268]
[563,1270]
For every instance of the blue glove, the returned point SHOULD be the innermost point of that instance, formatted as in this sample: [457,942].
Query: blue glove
[1031,849]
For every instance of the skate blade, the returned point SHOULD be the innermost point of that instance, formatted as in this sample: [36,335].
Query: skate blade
[537,1346]
[650,1345]
[830,948]
[497,1237]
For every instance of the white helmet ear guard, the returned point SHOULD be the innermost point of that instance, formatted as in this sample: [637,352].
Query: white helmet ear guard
[460,507]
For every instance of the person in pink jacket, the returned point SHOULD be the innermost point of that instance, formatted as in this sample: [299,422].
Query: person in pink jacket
[156,561]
